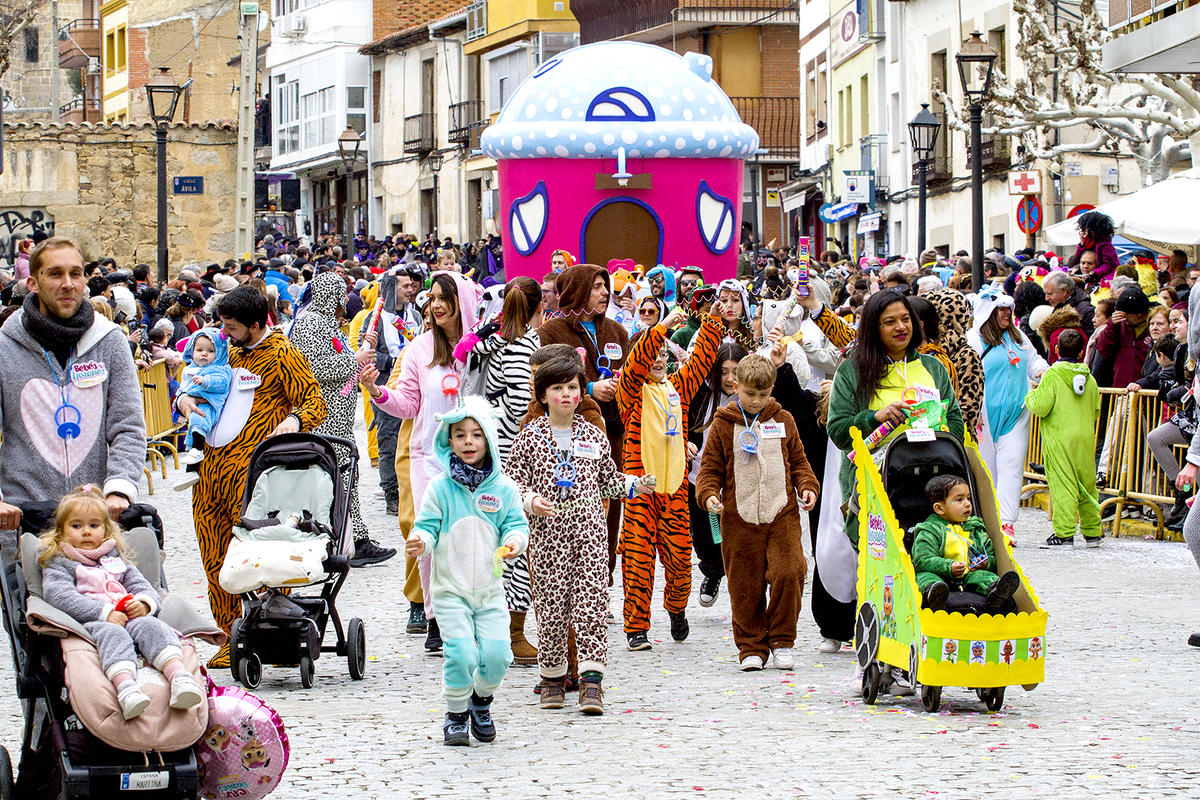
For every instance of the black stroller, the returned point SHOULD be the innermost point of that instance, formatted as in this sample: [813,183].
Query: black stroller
[295,511]
[59,756]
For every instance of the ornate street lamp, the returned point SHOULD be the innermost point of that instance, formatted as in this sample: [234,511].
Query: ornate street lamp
[435,166]
[976,62]
[349,143]
[923,130]
[162,93]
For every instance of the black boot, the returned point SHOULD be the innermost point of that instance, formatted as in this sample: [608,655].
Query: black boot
[433,638]
[1178,512]
[454,729]
[480,709]
[935,596]
[1003,589]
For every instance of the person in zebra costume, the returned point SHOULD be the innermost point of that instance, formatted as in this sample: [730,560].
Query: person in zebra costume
[499,369]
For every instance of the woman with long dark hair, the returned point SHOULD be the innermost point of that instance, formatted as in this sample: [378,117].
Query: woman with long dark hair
[1009,363]
[428,373]
[503,356]
[881,374]
[718,390]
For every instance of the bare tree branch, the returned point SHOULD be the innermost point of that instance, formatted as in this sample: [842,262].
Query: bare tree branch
[15,17]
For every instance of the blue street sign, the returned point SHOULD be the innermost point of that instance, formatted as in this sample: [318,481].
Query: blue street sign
[832,213]
[189,184]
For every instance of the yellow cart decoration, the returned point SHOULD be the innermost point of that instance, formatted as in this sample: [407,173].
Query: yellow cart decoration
[935,648]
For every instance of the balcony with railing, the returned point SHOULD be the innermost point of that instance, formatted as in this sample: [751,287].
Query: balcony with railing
[997,152]
[78,42]
[611,19]
[462,116]
[777,120]
[939,170]
[418,133]
[82,109]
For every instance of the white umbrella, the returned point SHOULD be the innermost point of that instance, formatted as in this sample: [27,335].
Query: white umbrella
[1162,216]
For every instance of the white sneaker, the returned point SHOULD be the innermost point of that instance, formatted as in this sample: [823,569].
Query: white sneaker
[193,456]
[752,664]
[185,692]
[782,658]
[900,687]
[611,619]
[133,700]
[380,493]
[829,646]
[187,481]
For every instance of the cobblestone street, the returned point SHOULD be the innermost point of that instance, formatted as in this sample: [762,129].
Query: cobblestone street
[1116,717]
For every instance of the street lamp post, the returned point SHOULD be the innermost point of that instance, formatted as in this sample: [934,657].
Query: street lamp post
[349,144]
[923,130]
[435,166]
[162,94]
[976,61]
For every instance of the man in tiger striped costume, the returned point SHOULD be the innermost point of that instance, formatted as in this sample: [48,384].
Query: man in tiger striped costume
[273,392]
[654,412]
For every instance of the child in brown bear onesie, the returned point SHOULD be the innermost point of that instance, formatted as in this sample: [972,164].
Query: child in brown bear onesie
[755,475]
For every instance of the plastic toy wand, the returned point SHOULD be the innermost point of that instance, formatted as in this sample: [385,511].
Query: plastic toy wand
[371,326]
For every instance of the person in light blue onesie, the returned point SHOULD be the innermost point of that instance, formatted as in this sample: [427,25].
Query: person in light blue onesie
[470,517]
[208,378]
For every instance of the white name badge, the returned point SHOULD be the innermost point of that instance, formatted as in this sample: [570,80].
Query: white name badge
[773,430]
[488,503]
[672,395]
[612,350]
[89,373]
[113,564]
[920,434]
[589,450]
[927,393]
[248,380]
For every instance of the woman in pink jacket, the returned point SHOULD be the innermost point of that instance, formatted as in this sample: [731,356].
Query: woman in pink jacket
[428,385]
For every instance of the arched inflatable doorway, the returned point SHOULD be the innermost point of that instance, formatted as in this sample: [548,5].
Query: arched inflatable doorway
[621,227]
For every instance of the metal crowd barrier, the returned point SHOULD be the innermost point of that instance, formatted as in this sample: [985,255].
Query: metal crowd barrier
[1133,477]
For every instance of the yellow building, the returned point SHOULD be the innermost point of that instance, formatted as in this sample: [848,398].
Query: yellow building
[114,27]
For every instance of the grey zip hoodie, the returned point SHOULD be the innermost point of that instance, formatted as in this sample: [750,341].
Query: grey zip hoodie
[36,464]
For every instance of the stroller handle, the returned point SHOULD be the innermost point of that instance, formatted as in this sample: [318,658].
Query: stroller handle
[350,445]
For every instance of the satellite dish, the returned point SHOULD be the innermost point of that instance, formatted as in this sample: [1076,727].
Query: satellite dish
[264,20]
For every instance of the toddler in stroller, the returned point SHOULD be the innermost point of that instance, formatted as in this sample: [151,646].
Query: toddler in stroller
[86,576]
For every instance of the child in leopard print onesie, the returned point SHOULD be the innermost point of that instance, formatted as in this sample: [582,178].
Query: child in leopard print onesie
[564,469]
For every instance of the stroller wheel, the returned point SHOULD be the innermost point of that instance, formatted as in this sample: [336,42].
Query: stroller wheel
[250,668]
[994,698]
[235,650]
[307,671]
[356,648]
[6,775]
[870,683]
[931,698]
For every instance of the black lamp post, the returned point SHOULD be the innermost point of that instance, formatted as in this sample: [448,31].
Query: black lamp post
[976,61]
[162,93]
[435,166]
[923,130]
[349,144]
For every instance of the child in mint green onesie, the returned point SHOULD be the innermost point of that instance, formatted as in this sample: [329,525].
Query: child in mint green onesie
[470,518]
[1068,401]
[952,550]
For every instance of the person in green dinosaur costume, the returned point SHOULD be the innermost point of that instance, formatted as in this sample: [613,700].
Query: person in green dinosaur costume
[1068,401]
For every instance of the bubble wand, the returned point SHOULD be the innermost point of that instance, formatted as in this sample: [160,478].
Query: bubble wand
[371,326]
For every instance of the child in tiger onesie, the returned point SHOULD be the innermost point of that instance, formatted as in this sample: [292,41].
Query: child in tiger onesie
[755,475]
[654,413]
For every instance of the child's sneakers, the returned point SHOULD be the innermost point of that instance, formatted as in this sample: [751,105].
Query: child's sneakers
[1092,541]
[709,589]
[188,480]
[829,646]
[752,663]
[132,699]
[553,693]
[454,729]
[1058,541]
[1002,590]
[639,641]
[591,697]
[193,456]
[185,692]
[480,709]
[679,626]
[782,658]
[936,596]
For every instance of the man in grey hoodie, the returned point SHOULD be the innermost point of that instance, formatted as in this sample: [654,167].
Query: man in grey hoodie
[70,403]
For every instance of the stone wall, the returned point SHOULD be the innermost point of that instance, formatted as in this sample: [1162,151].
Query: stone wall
[98,185]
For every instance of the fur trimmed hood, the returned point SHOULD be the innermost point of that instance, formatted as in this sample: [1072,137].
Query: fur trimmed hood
[1059,318]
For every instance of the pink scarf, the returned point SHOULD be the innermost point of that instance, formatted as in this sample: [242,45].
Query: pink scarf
[89,557]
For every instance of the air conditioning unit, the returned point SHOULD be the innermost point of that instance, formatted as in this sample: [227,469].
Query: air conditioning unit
[298,30]
[93,66]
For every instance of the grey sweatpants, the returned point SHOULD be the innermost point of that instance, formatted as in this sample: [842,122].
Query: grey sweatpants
[153,637]
[1161,442]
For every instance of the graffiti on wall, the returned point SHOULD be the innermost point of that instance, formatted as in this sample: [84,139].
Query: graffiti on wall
[21,223]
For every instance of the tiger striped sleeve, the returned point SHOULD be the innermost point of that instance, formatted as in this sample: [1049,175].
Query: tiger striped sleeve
[691,375]
[636,371]
[301,388]
[836,329]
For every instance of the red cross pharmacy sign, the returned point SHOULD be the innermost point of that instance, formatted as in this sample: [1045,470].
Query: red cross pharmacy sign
[1025,182]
